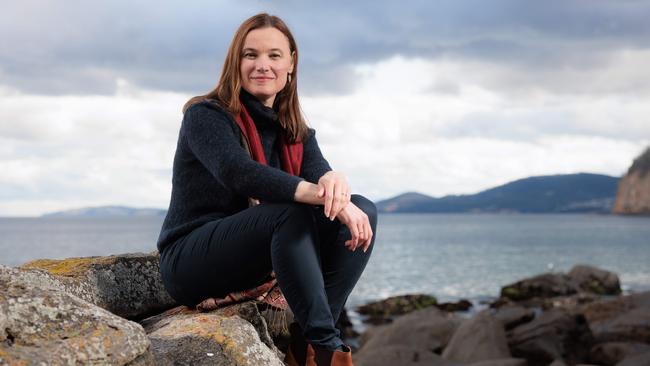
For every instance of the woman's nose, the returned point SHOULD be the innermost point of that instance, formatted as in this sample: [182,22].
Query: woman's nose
[262,65]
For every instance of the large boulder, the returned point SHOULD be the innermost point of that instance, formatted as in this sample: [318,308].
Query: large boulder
[556,334]
[543,285]
[402,355]
[479,338]
[640,359]
[48,326]
[513,315]
[427,330]
[127,285]
[233,335]
[624,318]
[611,353]
[633,325]
[595,280]
[384,311]
[501,362]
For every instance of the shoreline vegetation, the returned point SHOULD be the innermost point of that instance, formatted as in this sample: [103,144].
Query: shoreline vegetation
[115,310]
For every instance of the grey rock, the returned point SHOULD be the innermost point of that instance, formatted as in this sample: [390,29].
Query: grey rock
[624,318]
[633,325]
[610,353]
[426,330]
[384,311]
[501,362]
[512,315]
[234,335]
[480,338]
[642,359]
[595,280]
[48,326]
[543,285]
[128,285]
[558,362]
[402,355]
[555,334]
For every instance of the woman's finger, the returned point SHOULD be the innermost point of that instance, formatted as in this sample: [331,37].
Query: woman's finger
[336,191]
[362,236]
[329,196]
[369,235]
[341,197]
[355,236]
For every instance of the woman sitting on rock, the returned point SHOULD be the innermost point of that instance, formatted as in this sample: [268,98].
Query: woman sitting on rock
[255,206]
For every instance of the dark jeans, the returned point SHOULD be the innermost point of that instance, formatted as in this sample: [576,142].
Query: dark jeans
[314,269]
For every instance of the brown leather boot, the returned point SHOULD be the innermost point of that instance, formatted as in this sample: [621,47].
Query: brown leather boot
[297,353]
[301,353]
[317,356]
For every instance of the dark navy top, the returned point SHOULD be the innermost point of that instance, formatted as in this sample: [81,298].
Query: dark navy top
[213,175]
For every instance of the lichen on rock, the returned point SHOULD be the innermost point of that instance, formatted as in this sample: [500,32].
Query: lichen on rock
[46,325]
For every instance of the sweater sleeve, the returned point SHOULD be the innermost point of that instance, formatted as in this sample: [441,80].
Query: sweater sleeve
[314,164]
[212,137]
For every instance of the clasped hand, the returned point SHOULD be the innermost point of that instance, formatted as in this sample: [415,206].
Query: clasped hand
[333,186]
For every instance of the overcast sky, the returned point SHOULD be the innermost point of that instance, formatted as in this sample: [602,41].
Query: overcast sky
[444,97]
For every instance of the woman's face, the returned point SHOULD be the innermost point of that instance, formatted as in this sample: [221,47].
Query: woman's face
[266,61]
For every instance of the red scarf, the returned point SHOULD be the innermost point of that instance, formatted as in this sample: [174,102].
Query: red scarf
[291,159]
[290,154]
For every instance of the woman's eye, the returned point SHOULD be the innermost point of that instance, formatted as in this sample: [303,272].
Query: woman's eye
[275,56]
[249,55]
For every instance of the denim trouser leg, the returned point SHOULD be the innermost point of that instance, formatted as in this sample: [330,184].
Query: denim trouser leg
[315,271]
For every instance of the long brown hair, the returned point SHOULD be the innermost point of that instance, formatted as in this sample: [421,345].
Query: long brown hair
[226,93]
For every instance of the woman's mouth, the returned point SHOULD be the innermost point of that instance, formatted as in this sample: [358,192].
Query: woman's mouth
[262,79]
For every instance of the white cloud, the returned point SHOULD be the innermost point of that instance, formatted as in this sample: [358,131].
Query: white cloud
[87,150]
[398,133]
[412,125]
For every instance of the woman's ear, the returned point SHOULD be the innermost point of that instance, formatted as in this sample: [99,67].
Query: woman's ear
[293,59]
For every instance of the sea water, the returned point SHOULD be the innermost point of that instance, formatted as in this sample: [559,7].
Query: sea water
[450,256]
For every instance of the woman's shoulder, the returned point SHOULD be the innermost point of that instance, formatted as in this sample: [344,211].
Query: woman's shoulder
[208,110]
[206,105]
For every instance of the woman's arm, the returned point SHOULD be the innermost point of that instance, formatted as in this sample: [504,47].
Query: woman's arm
[307,192]
[314,165]
[213,138]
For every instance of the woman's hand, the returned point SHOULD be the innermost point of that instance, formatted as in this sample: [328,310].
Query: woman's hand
[359,225]
[334,188]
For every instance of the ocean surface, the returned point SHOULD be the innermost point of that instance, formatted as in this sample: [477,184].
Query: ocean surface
[450,256]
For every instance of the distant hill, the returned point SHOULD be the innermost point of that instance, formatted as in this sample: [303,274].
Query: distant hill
[107,211]
[544,194]
[581,192]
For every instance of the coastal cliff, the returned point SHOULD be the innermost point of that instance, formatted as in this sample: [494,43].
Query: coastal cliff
[633,196]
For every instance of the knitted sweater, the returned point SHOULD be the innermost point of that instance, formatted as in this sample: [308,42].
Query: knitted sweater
[213,175]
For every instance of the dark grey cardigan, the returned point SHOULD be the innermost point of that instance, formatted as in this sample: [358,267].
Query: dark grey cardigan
[213,175]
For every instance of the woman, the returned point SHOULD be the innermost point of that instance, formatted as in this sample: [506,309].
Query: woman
[253,198]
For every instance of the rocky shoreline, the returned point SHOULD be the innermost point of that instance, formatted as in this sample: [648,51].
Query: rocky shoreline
[114,310]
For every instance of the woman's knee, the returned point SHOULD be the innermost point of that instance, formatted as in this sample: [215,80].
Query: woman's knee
[366,206]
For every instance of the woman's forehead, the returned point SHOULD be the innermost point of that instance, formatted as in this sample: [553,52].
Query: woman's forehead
[266,39]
